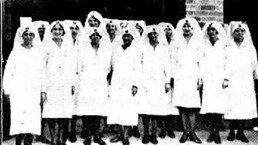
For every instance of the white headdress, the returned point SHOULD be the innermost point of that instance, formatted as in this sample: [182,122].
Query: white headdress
[153,28]
[39,24]
[115,22]
[96,15]
[69,23]
[67,38]
[218,26]
[236,24]
[164,25]
[18,40]
[140,23]
[197,33]
[130,30]
[86,33]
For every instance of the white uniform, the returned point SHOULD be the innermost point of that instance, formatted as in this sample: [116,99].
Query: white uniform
[186,75]
[214,99]
[93,93]
[156,73]
[60,79]
[23,81]
[127,71]
[241,62]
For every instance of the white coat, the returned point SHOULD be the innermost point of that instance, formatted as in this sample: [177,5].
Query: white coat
[172,51]
[241,62]
[186,75]
[23,81]
[126,73]
[212,66]
[94,68]
[60,79]
[156,73]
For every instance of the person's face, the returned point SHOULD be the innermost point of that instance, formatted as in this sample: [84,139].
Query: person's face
[153,36]
[93,22]
[95,38]
[57,31]
[212,32]
[41,31]
[111,28]
[127,39]
[74,30]
[239,33]
[187,29]
[139,28]
[28,36]
[168,32]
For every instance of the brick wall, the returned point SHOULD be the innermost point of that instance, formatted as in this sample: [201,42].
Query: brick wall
[205,10]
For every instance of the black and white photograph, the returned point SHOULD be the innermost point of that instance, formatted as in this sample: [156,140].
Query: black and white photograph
[129,72]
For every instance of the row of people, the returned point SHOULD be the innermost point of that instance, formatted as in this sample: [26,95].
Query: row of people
[120,69]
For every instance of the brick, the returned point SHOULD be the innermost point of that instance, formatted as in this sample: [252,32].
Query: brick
[220,19]
[189,1]
[208,7]
[208,19]
[219,8]
[215,13]
[191,7]
[201,13]
[189,13]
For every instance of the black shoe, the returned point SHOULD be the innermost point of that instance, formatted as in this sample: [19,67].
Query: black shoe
[145,139]
[116,139]
[193,137]
[72,138]
[126,142]
[171,134]
[153,139]
[162,134]
[184,137]
[136,132]
[211,137]
[87,142]
[231,136]
[99,141]
[217,139]
[241,136]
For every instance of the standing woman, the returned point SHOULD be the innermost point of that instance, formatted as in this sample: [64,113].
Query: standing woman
[75,28]
[23,83]
[170,42]
[126,63]
[94,19]
[241,64]
[95,64]
[187,80]
[155,81]
[58,107]
[214,77]
[41,28]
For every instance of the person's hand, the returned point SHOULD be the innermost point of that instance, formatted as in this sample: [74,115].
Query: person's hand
[73,90]
[225,83]
[199,84]
[134,90]
[167,87]
[43,96]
